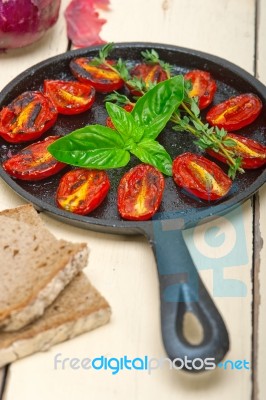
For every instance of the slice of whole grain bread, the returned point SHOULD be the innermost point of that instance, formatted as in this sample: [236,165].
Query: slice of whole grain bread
[35,266]
[78,309]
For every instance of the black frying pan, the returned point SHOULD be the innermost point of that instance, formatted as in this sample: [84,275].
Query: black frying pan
[180,286]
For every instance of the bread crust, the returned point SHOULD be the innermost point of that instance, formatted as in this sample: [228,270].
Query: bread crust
[78,309]
[56,264]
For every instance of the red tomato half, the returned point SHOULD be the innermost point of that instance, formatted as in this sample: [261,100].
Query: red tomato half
[70,97]
[82,190]
[253,154]
[27,117]
[147,73]
[201,177]
[109,123]
[140,193]
[34,162]
[203,87]
[236,112]
[102,78]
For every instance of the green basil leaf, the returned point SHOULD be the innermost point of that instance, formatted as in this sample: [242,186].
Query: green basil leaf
[93,136]
[94,146]
[124,122]
[151,152]
[154,109]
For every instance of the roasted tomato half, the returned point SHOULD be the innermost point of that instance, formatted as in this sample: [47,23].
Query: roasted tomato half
[201,177]
[109,123]
[203,87]
[236,112]
[147,73]
[27,117]
[101,77]
[70,97]
[82,190]
[252,153]
[34,162]
[140,193]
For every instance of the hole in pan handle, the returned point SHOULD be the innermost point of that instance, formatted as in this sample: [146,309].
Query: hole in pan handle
[182,292]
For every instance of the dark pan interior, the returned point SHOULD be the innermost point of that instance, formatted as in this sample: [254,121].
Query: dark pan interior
[231,81]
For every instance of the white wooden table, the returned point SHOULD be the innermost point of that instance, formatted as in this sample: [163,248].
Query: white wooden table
[123,269]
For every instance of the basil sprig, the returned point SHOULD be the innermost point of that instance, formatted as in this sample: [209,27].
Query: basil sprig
[100,147]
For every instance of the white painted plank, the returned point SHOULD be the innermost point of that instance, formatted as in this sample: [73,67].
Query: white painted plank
[124,268]
[260,388]
[260,310]
[261,49]
[223,28]
[11,64]
[2,371]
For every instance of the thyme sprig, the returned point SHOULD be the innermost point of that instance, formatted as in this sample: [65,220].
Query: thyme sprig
[208,138]
[118,98]
[119,67]
[104,52]
[152,57]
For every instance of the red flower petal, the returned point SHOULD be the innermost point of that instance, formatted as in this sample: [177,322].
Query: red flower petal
[102,4]
[83,22]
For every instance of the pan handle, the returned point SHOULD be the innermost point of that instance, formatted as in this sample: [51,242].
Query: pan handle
[181,291]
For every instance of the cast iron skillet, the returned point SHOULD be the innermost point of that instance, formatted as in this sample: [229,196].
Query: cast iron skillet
[181,289]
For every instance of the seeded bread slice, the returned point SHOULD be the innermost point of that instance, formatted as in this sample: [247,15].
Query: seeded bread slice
[78,309]
[35,267]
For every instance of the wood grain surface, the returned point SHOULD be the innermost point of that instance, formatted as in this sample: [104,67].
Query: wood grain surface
[260,238]
[123,268]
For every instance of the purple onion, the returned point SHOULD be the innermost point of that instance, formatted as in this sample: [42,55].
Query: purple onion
[22,22]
